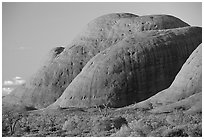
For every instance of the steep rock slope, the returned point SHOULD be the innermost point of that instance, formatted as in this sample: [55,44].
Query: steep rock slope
[185,92]
[132,70]
[64,64]
[61,66]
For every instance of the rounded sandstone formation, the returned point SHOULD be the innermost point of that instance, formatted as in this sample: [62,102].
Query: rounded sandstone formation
[62,65]
[185,93]
[128,26]
[132,70]
[49,82]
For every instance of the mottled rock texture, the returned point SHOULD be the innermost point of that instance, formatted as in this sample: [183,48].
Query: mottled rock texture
[185,92]
[132,70]
[64,64]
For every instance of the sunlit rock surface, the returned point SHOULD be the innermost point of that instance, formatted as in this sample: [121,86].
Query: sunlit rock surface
[134,69]
[64,64]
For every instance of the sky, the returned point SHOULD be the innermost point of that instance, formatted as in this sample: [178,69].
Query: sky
[30,30]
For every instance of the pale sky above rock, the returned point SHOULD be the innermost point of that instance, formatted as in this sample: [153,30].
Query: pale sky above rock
[31,30]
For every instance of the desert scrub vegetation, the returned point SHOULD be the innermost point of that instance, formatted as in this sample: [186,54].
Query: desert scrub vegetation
[92,122]
[10,121]
[28,123]
[175,124]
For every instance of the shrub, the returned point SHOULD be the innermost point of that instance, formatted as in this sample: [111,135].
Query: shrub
[118,122]
[9,121]
[108,123]
[103,125]
[71,123]
[124,131]
[175,132]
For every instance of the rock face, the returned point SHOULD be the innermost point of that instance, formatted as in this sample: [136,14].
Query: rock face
[54,53]
[64,64]
[126,27]
[132,70]
[185,92]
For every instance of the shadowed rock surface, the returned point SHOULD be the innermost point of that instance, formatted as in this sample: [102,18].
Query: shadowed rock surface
[132,70]
[64,64]
[185,92]
[54,53]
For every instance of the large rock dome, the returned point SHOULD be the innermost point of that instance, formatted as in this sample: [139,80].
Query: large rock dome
[102,35]
[134,69]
